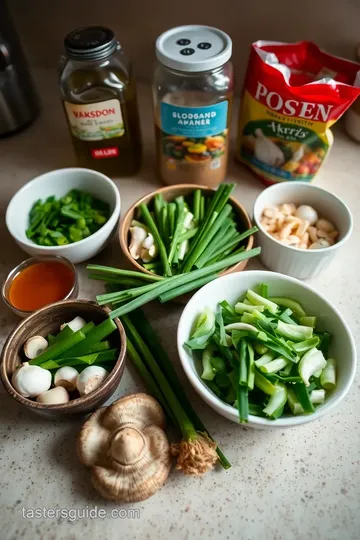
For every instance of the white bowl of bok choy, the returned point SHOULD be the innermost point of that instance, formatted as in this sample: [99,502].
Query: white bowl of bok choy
[266,350]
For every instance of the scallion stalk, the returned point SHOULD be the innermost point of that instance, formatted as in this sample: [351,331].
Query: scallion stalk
[149,222]
[169,283]
[146,331]
[196,452]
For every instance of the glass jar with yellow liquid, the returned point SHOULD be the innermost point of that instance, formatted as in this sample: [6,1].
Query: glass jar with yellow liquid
[99,99]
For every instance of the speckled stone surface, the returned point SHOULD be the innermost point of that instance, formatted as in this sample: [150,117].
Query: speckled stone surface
[297,484]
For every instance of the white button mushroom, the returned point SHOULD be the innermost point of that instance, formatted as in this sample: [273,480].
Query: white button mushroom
[31,381]
[55,396]
[307,213]
[66,377]
[35,346]
[90,379]
[76,324]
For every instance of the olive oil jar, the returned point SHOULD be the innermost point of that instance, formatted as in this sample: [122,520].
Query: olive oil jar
[99,99]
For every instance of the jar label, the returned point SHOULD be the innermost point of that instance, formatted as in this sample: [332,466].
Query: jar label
[194,122]
[193,143]
[95,121]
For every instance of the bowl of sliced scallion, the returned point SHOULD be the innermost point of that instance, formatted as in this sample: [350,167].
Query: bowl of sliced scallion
[178,229]
[70,212]
[266,350]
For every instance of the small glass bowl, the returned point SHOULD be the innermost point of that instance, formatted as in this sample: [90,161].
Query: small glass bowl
[73,292]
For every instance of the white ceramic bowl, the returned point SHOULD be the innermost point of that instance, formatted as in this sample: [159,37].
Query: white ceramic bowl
[301,263]
[231,288]
[58,183]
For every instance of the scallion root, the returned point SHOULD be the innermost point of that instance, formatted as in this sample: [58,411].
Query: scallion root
[196,456]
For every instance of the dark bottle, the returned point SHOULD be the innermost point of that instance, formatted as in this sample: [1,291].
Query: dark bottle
[99,98]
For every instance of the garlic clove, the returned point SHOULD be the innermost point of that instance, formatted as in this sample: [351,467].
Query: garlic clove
[76,324]
[138,235]
[31,381]
[149,241]
[66,377]
[35,346]
[307,212]
[90,379]
[55,396]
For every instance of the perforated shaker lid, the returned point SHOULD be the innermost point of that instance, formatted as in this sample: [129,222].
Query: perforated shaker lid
[193,48]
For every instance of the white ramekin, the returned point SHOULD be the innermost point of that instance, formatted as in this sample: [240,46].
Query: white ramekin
[296,262]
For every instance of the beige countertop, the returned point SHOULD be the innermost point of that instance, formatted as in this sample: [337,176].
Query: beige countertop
[295,484]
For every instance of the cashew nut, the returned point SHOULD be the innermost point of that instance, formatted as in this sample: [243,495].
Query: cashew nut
[299,227]
[288,208]
[270,212]
[313,234]
[324,225]
[293,240]
[323,234]
[321,243]
[302,228]
[286,230]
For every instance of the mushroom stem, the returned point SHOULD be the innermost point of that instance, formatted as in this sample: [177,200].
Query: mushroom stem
[127,445]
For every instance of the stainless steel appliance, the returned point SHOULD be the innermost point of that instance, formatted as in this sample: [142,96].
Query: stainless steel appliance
[19,104]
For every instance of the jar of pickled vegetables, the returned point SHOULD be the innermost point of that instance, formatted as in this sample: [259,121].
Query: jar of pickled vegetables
[192,92]
[99,100]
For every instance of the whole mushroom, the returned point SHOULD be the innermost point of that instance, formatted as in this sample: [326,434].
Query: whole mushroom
[126,448]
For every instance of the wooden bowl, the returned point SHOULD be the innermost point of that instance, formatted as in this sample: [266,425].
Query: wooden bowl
[47,321]
[170,193]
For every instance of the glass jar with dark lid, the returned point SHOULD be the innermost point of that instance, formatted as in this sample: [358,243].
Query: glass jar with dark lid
[99,99]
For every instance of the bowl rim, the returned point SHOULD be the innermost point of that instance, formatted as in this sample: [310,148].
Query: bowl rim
[112,218]
[82,400]
[288,421]
[308,252]
[30,262]
[123,235]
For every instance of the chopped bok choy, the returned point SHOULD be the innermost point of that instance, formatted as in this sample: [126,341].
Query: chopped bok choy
[264,355]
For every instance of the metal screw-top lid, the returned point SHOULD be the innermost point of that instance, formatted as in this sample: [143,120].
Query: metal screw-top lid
[90,43]
[193,48]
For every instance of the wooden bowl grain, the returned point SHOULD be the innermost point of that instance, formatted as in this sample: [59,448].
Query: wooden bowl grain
[170,193]
[47,321]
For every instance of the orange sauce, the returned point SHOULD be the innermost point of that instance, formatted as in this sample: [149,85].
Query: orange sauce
[40,284]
